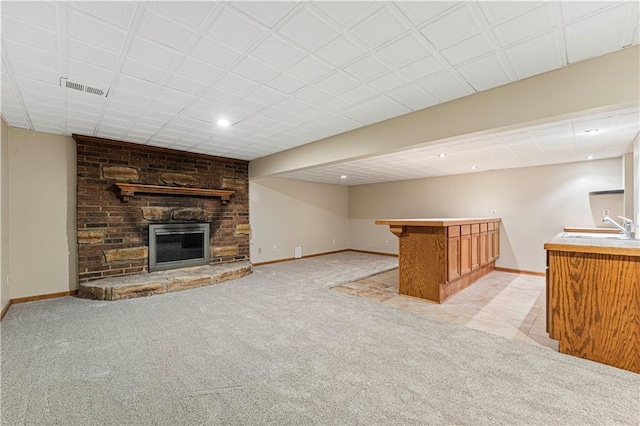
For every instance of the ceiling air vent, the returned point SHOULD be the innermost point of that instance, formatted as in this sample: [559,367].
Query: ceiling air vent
[74,85]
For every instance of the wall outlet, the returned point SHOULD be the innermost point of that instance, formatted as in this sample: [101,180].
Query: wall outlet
[386,242]
[493,212]
[605,212]
[8,282]
[334,241]
[259,250]
[275,248]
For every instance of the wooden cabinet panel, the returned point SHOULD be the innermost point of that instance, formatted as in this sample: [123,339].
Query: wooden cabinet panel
[465,230]
[453,258]
[490,255]
[594,306]
[453,231]
[475,251]
[465,254]
[483,249]
[496,244]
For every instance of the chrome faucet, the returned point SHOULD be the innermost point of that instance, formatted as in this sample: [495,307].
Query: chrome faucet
[627,229]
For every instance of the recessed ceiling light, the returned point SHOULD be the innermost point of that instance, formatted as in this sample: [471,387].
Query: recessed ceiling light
[442,155]
[590,157]
[592,130]
[343,177]
[223,122]
[473,167]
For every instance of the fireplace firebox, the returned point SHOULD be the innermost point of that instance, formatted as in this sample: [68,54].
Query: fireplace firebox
[178,245]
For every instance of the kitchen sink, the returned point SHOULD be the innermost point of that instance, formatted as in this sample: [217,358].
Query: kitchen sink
[601,236]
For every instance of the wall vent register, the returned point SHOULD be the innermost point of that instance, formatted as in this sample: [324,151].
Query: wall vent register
[178,245]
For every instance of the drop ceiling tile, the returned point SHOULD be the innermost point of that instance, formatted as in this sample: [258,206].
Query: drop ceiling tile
[412,97]
[422,11]
[254,70]
[76,105]
[152,53]
[136,86]
[221,96]
[497,11]
[340,51]
[267,13]
[423,67]
[276,51]
[484,73]
[192,15]
[91,54]
[457,24]
[143,71]
[86,73]
[286,83]
[384,106]
[388,82]
[344,12]
[29,35]
[468,49]
[164,30]
[235,29]
[404,50]
[35,73]
[117,13]
[367,68]
[124,109]
[292,105]
[41,14]
[275,114]
[309,69]
[534,56]
[214,53]
[380,27]
[186,85]
[360,115]
[526,25]
[594,35]
[306,29]
[358,94]
[312,95]
[267,96]
[23,53]
[174,97]
[312,113]
[236,84]
[337,83]
[249,105]
[333,104]
[445,86]
[93,31]
[573,10]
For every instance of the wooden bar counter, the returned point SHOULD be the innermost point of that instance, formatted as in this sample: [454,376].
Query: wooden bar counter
[441,256]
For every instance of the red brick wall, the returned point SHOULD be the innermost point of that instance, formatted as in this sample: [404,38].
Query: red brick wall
[107,225]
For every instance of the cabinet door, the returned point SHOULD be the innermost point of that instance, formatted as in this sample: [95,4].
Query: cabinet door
[496,244]
[490,254]
[453,258]
[465,254]
[475,251]
[484,248]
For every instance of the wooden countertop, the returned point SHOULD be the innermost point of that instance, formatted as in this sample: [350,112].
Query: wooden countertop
[593,243]
[438,222]
[591,230]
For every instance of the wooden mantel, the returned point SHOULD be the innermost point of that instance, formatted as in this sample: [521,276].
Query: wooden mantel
[128,190]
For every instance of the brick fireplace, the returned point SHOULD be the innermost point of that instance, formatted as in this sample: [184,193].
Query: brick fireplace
[124,187]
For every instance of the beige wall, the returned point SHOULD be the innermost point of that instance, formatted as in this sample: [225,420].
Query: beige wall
[288,213]
[5,295]
[535,203]
[42,200]
[636,183]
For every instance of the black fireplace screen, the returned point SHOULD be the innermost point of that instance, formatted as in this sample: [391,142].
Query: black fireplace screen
[174,245]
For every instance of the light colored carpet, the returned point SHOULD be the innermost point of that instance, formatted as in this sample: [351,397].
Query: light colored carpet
[279,347]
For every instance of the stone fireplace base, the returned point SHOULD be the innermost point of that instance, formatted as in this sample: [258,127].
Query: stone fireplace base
[148,284]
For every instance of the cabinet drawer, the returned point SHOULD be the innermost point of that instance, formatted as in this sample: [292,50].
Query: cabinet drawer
[465,229]
[453,231]
[491,226]
[475,228]
[483,227]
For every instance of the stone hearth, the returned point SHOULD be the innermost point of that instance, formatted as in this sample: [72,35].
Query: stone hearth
[148,284]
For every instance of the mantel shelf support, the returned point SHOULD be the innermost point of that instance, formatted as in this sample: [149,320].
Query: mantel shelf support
[128,190]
